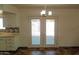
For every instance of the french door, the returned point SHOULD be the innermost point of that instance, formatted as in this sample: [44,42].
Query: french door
[43,31]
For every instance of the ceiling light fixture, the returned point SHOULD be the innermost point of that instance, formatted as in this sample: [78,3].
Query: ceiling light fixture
[45,12]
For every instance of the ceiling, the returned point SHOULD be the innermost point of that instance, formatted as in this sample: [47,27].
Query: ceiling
[47,5]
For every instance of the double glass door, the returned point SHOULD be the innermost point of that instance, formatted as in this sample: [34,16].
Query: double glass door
[43,31]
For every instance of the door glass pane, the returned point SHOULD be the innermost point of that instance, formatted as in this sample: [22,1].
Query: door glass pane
[35,23]
[50,23]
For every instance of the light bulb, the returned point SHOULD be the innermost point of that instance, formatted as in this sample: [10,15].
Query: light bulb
[43,12]
[49,13]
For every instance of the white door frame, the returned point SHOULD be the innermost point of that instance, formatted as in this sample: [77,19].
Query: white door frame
[43,31]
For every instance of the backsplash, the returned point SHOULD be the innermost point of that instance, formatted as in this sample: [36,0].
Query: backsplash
[10,30]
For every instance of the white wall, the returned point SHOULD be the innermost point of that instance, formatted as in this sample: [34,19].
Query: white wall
[1,6]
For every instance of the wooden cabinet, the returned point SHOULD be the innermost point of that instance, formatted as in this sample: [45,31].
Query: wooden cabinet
[2,44]
[8,43]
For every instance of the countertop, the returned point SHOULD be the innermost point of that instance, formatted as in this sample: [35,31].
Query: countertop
[6,34]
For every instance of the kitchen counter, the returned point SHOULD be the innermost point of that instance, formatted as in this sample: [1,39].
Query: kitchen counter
[6,34]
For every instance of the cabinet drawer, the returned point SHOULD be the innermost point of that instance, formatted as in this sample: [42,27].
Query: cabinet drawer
[9,41]
[9,46]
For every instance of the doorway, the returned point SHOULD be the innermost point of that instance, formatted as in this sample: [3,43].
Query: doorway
[43,32]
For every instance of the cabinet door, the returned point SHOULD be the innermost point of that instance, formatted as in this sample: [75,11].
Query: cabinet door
[2,44]
[10,44]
